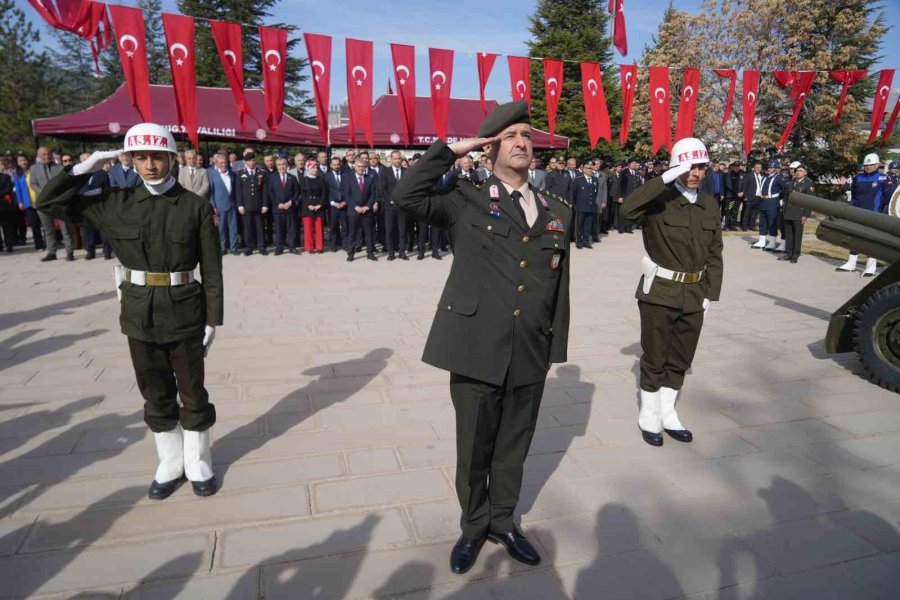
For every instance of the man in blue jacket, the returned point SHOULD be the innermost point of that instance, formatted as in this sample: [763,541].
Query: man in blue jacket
[869,190]
[221,196]
[584,198]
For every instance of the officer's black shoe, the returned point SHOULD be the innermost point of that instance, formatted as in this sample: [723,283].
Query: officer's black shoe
[350,257]
[589,246]
[204,488]
[403,256]
[794,259]
[437,256]
[595,240]
[464,554]
[225,251]
[107,257]
[248,252]
[49,257]
[682,435]
[264,252]
[518,546]
[654,439]
[868,275]
[784,257]
[371,256]
[70,257]
[391,256]
[279,252]
[579,246]
[421,256]
[161,491]
[295,251]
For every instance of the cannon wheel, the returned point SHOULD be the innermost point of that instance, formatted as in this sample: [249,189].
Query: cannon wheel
[877,336]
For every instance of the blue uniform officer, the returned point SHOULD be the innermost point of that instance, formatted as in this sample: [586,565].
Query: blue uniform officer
[869,190]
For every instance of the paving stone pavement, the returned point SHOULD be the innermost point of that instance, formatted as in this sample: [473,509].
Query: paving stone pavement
[335,450]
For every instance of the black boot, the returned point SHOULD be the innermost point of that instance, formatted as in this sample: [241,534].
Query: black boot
[161,491]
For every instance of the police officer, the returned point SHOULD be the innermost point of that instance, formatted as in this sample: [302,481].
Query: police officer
[160,232]
[869,190]
[770,196]
[795,217]
[584,198]
[894,175]
[682,274]
[252,202]
[503,317]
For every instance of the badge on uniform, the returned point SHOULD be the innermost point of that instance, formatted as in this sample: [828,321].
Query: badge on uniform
[554,262]
[495,191]
[544,202]
[555,225]
[495,209]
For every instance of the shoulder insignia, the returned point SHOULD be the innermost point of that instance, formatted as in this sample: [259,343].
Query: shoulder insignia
[562,201]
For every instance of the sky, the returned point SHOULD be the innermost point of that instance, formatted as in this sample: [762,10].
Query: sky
[466,26]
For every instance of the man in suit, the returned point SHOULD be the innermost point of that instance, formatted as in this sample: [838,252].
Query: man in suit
[299,166]
[502,320]
[584,199]
[42,171]
[191,177]
[601,180]
[95,185]
[337,216]
[734,197]
[630,181]
[359,192]
[394,219]
[122,175]
[752,190]
[283,192]
[536,175]
[252,204]
[558,181]
[222,196]
[375,168]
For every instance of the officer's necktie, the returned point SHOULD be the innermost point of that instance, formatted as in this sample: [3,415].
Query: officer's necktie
[528,212]
[397,174]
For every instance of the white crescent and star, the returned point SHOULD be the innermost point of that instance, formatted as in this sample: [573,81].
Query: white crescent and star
[553,82]
[318,63]
[628,77]
[230,54]
[365,74]
[277,55]
[661,98]
[883,91]
[174,48]
[521,88]
[688,96]
[443,77]
[751,97]
[592,85]
[128,38]
[404,69]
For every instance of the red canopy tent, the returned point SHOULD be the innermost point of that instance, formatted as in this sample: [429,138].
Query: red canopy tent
[217,119]
[463,121]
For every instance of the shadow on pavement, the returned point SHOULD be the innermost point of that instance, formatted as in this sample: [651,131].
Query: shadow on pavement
[25,352]
[39,313]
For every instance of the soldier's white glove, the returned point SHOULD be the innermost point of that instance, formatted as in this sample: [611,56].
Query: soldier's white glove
[706,305]
[94,162]
[675,172]
[208,337]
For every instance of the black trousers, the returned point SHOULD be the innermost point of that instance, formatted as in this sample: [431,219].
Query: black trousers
[167,371]
[425,233]
[339,227]
[622,224]
[751,214]
[583,222]
[793,237]
[669,339]
[494,428]
[8,222]
[606,217]
[731,213]
[90,237]
[394,229]
[360,225]
[267,220]
[285,229]
[34,221]
[253,231]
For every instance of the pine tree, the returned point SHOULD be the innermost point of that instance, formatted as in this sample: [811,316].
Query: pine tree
[576,30]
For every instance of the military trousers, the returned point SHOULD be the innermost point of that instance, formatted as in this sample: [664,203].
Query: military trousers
[669,339]
[793,236]
[494,428]
[253,231]
[166,373]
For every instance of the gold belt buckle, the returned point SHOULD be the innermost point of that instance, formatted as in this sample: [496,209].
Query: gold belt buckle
[158,279]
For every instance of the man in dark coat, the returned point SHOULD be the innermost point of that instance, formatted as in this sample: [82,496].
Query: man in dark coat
[252,203]
[283,192]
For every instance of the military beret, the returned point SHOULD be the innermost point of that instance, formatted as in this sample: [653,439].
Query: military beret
[249,156]
[503,116]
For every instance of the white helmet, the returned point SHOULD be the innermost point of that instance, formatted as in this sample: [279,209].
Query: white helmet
[688,150]
[870,159]
[154,138]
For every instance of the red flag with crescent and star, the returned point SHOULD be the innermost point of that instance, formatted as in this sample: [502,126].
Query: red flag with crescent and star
[880,103]
[318,49]
[847,78]
[628,74]
[750,92]
[485,66]
[660,108]
[87,20]
[553,80]
[441,63]
[620,37]
[732,75]
[405,74]
[131,42]
[892,121]
[273,48]
[520,78]
[179,32]
[595,103]
[687,106]
[802,84]
[227,37]
[359,88]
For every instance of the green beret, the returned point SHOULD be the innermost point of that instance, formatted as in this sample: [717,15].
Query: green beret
[504,116]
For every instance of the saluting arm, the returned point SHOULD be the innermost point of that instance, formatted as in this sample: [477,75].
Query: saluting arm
[60,198]
[636,205]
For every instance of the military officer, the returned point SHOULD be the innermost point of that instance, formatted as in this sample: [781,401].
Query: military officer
[502,319]
[795,217]
[252,202]
[160,232]
[869,190]
[584,199]
[682,274]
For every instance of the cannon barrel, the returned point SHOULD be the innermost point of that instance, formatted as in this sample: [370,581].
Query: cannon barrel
[864,231]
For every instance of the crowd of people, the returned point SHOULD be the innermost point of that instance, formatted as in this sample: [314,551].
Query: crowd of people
[315,204]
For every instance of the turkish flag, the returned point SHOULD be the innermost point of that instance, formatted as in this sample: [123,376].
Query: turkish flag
[786,79]
[441,62]
[628,74]
[228,44]
[405,73]
[750,93]
[848,78]
[889,129]
[553,80]
[359,87]
[688,104]
[520,78]
[880,103]
[273,47]
[132,44]
[620,38]
[660,108]
[485,66]
[595,103]
[732,75]
[180,42]
[82,18]
[318,49]
[802,84]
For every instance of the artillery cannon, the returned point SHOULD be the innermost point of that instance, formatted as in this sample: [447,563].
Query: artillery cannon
[869,322]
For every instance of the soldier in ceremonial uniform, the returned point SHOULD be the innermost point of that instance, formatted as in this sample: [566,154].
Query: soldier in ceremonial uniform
[795,217]
[502,320]
[160,232]
[253,203]
[682,274]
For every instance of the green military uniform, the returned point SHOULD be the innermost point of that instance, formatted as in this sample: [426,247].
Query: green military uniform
[173,232]
[793,217]
[686,238]
[502,319]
